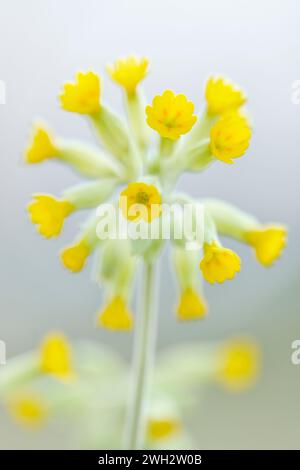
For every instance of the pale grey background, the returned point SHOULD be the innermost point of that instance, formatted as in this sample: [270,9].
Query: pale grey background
[255,43]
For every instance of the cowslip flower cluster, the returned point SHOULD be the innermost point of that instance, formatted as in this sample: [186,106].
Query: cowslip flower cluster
[232,365]
[130,172]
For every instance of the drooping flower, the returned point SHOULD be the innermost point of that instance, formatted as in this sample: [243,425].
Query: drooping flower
[74,257]
[191,305]
[83,96]
[28,408]
[49,213]
[56,356]
[239,364]
[268,243]
[115,315]
[219,264]
[41,146]
[140,200]
[162,428]
[129,72]
[171,115]
[223,96]
[267,240]
[230,137]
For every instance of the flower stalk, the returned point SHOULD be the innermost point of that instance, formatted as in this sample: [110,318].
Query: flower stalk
[143,359]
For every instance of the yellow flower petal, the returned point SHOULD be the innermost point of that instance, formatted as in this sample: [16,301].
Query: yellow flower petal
[129,72]
[41,146]
[239,364]
[219,264]
[48,214]
[74,257]
[223,96]
[191,305]
[82,96]
[115,316]
[268,243]
[230,137]
[28,409]
[162,428]
[140,200]
[171,115]
[56,357]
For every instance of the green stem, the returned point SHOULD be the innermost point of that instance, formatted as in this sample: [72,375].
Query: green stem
[166,147]
[144,350]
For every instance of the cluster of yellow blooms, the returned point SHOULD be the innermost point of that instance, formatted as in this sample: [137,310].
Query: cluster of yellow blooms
[235,366]
[147,178]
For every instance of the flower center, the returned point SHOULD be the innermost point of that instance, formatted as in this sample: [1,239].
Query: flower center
[142,197]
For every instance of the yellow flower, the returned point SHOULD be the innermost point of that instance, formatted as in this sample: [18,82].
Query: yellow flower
[140,200]
[41,146]
[129,72]
[115,316]
[268,243]
[161,428]
[218,263]
[49,214]
[191,305]
[56,357]
[28,409]
[222,96]
[171,115]
[74,257]
[239,364]
[82,96]
[230,137]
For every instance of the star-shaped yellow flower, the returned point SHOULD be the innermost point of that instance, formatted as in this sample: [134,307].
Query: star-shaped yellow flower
[171,115]
[140,200]
[230,137]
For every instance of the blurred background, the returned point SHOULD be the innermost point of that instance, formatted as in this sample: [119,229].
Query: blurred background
[42,44]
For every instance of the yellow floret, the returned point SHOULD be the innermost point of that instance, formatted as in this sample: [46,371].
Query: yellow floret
[268,243]
[129,72]
[230,137]
[115,315]
[41,146]
[191,305]
[219,264]
[82,96]
[49,214]
[223,96]
[171,115]
[56,357]
[239,364]
[74,257]
[140,200]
